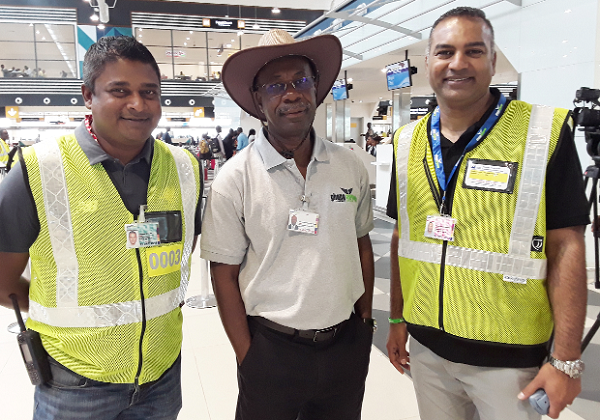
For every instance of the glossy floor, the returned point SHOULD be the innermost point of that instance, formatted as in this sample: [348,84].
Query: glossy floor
[209,367]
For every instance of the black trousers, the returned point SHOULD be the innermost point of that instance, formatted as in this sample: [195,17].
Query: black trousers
[284,377]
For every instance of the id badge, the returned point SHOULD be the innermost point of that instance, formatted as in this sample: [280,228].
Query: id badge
[303,222]
[440,227]
[142,235]
[490,175]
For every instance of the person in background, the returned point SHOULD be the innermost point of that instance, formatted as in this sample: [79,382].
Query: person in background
[167,136]
[242,139]
[4,147]
[228,143]
[109,320]
[502,269]
[295,303]
[251,135]
[372,142]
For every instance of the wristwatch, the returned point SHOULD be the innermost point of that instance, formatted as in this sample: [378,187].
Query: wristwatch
[372,322]
[573,368]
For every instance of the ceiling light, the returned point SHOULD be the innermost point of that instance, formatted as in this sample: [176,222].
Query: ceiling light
[228,45]
[191,32]
[349,79]
[94,17]
[101,26]
[188,38]
[185,44]
[383,70]
[140,29]
[43,38]
[233,40]
[275,10]
[31,24]
[240,33]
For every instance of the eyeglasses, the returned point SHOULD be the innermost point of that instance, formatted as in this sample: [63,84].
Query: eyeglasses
[277,89]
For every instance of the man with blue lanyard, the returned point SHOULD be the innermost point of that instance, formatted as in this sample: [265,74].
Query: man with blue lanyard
[488,251]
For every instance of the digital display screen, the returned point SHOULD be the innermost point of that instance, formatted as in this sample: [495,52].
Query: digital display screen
[339,90]
[398,75]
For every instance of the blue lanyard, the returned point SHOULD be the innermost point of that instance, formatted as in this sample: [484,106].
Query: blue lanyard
[437,148]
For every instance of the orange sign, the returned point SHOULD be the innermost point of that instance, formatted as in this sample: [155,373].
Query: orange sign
[199,112]
[12,112]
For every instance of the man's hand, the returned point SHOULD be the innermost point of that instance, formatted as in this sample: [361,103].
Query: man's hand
[561,389]
[396,347]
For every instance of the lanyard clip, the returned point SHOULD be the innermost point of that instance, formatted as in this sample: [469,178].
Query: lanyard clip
[443,204]
[142,216]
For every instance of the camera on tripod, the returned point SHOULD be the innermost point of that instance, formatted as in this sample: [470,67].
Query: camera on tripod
[587,116]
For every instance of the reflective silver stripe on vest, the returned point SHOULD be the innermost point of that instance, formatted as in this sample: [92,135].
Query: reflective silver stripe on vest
[60,227]
[402,152]
[109,315]
[533,176]
[474,259]
[517,262]
[187,182]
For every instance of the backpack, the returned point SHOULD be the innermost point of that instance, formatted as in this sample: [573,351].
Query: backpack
[214,145]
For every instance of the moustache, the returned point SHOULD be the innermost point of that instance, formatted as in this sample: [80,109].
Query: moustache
[292,108]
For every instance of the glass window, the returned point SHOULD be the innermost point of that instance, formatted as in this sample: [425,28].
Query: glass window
[250,40]
[189,39]
[38,50]
[58,69]
[228,40]
[16,32]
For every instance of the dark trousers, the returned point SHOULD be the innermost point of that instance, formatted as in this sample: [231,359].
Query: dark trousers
[286,377]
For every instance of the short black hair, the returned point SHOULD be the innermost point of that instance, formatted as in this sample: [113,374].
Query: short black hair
[252,131]
[467,12]
[110,49]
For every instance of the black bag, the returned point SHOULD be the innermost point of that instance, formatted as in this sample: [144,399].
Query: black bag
[214,146]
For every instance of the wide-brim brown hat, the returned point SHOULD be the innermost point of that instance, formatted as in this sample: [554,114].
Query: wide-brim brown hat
[239,71]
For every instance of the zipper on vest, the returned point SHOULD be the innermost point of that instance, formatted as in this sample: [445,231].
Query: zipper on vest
[441,291]
[432,186]
[142,299]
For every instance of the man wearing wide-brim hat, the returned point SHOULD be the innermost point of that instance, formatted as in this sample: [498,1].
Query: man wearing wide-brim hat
[295,303]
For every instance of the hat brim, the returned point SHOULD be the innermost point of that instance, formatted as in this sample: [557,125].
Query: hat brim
[325,51]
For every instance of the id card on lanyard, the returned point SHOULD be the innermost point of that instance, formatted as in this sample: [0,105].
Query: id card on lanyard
[447,232]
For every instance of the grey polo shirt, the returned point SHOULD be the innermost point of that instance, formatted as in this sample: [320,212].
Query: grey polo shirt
[300,280]
[20,226]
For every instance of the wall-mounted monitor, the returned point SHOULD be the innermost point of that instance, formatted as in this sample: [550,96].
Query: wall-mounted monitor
[340,90]
[398,75]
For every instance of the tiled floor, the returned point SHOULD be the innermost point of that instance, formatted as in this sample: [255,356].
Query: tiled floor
[209,372]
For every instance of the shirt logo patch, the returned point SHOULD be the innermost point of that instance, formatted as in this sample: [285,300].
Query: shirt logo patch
[346,197]
[537,244]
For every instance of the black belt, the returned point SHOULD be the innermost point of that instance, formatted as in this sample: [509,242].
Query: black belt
[313,335]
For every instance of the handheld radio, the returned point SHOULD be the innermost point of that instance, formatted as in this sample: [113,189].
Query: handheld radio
[32,350]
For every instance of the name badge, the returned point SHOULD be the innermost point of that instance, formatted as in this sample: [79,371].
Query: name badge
[303,222]
[141,235]
[440,227]
[490,175]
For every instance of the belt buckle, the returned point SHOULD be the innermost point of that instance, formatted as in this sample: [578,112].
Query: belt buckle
[326,330]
